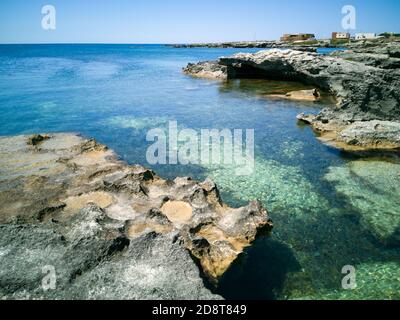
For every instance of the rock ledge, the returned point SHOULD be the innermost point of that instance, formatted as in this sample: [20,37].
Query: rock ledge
[102,224]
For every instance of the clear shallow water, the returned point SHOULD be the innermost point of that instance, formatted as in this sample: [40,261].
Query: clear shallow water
[330,209]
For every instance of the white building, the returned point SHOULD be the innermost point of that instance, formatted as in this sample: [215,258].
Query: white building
[365,36]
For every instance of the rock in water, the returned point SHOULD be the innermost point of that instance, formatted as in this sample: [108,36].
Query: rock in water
[306,118]
[376,134]
[364,91]
[378,205]
[299,95]
[109,230]
[207,69]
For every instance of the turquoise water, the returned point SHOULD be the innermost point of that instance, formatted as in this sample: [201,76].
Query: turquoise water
[330,209]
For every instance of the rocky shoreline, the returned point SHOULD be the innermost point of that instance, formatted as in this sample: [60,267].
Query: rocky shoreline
[255,44]
[364,81]
[310,46]
[109,230]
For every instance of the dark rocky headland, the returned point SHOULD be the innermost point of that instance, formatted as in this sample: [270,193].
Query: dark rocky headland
[365,82]
[109,230]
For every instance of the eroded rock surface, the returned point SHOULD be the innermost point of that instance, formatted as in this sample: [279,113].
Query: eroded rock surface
[207,69]
[110,230]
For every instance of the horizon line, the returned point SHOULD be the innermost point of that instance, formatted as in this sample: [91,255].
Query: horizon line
[147,43]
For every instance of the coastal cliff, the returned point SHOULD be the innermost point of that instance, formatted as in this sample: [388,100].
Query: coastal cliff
[364,82]
[109,230]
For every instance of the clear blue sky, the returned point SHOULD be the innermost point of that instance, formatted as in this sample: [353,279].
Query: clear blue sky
[178,21]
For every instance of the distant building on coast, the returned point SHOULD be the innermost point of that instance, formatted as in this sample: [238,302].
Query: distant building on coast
[298,37]
[340,36]
[365,36]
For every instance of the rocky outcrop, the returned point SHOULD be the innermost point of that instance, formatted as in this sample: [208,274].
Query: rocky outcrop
[383,61]
[380,134]
[206,69]
[381,45]
[92,259]
[357,136]
[384,56]
[109,230]
[363,92]
[306,118]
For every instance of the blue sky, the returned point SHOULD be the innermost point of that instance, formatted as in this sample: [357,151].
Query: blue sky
[179,21]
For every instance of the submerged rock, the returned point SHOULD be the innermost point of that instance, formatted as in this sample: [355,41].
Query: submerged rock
[207,69]
[300,95]
[111,230]
[374,279]
[372,188]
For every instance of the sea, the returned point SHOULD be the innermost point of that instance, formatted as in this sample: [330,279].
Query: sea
[336,214]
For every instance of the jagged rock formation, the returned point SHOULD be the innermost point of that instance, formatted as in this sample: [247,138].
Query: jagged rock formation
[363,92]
[377,60]
[379,55]
[110,230]
[373,44]
[207,69]
[356,136]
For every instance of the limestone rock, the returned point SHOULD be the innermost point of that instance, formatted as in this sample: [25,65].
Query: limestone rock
[91,259]
[299,95]
[377,60]
[378,207]
[104,225]
[357,136]
[372,134]
[364,82]
[306,118]
[363,92]
[207,69]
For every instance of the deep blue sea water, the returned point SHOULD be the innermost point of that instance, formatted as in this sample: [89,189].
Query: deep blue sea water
[322,201]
